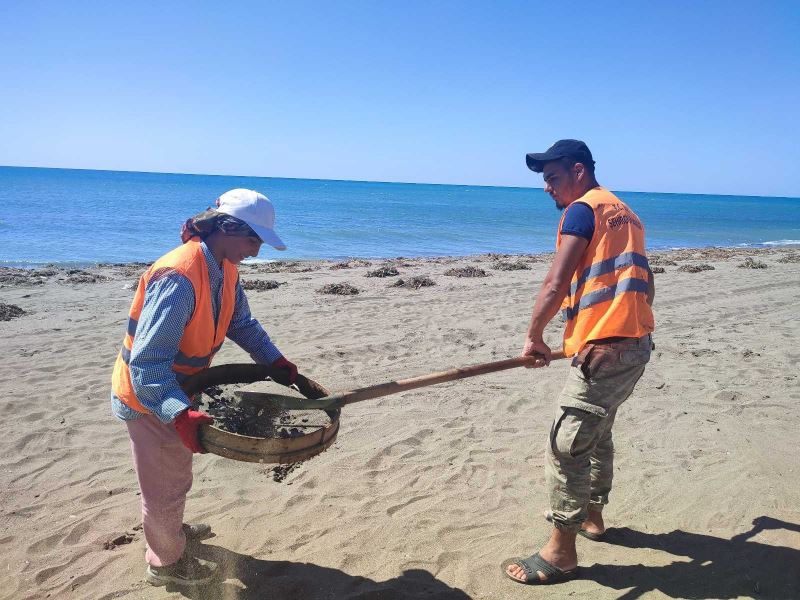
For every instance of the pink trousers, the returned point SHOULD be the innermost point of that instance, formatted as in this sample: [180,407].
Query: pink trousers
[164,468]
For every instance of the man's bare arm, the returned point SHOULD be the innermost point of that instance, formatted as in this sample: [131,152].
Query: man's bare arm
[553,291]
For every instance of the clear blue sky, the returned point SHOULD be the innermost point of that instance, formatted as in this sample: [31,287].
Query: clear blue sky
[670,96]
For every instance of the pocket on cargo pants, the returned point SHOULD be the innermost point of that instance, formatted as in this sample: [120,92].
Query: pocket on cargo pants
[575,432]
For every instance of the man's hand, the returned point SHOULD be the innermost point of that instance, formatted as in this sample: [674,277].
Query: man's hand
[287,366]
[187,423]
[538,349]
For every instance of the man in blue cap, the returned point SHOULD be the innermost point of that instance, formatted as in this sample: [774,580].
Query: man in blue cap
[601,280]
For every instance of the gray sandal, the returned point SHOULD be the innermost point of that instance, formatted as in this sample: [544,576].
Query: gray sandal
[534,564]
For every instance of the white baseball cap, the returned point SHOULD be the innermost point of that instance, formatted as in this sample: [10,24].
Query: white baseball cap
[254,209]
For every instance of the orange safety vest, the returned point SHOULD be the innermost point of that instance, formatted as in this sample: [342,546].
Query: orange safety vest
[201,338]
[608,294]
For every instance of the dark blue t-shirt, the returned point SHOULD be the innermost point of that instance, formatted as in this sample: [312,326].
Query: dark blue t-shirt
[579,220]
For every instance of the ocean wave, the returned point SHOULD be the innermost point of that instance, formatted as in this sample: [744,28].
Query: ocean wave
[782,243]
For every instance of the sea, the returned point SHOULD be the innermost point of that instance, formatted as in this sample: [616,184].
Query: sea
[70,217]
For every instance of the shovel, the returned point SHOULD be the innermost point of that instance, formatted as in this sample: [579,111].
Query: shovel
[384,389]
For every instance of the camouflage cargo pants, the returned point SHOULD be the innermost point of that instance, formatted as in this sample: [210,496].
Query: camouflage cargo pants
[580,449]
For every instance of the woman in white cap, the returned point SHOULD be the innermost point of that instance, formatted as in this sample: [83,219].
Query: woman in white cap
[186,304]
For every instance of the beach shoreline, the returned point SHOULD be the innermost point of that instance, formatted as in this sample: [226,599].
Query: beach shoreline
[426,492]
[698,252]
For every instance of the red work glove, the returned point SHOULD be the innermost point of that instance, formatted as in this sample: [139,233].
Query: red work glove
[187,423]
[287,366]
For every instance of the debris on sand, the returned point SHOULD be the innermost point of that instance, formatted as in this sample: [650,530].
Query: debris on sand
[414,283]
[135,269]
[658,269]
[383,271]
[349,264]
[260,285]
[10,311]
[339,289]
[281,472]
[283,266]
[11,276]
[792,257]
[751,263]
[243,419]
[695,268]
[466,272]
[657,259]
[81,276]
[120,540]
[504,265]
[707,253]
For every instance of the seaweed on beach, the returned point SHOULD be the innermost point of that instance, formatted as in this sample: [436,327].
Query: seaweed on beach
[751,263]
[414,283]
[282,266]
[349,264]
[658,269]
[656,259]
[10,311]
[695,268]
[13,277]
[85,278]
[383,271]
[792,257]
[81,276]
[131,269]
[338,289]
[466,272]
[504,265]
[261,285]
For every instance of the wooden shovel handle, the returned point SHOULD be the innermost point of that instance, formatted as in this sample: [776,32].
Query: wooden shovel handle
[402,385]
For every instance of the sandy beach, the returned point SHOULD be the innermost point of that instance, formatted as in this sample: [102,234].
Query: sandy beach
[426,492]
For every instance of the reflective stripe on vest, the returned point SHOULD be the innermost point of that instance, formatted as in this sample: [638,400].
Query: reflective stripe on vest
[605,294]
[132,324]
[609,265]
[608,291]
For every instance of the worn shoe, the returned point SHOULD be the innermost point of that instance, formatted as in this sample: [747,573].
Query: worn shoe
[535,564]
[187,571]
[196,531]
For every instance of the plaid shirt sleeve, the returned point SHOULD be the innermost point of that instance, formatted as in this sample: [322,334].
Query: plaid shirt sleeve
[248,333]
[168,306]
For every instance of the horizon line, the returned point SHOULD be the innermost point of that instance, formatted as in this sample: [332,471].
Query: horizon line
[511,187]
